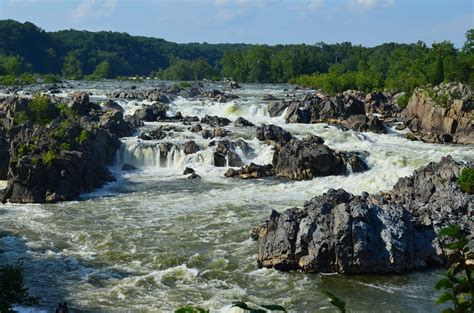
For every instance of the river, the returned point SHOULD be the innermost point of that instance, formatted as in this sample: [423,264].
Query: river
[154,240]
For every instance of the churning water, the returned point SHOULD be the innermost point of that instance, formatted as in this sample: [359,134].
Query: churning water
[154,240]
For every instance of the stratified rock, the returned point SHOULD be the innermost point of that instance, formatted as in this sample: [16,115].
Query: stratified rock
[363,123]
[392,232]
[442,114]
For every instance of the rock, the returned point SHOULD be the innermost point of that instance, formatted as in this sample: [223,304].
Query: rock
[277,108]
[234,85]
[128,167]
[274,135]
[215,120]
[190,147]
[113,122]
[392,232]
[442,117]
[306,159]
[196,128]
[363,123]
[4,153]
[134,121]
[225,154]
[215,132]
[251,171]
[242,122]
[188,170]
[156,134]
[80,102]
[194,176]
[268,97]
[151,113]
[110,105]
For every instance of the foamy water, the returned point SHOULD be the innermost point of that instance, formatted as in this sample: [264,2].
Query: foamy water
[155,240]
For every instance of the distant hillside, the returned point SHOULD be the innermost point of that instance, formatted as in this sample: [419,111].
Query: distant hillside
[74,54]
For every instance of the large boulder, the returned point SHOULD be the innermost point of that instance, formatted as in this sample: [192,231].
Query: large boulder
[306,159]
[113,121]
[444,113]
[273,134]
[392,232]
[251,171]
[151,113]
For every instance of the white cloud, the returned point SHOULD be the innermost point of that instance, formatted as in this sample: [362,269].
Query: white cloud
[370,4]
[314,5]
[94,8]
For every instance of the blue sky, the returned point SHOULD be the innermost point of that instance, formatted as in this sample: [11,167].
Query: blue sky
[366,22]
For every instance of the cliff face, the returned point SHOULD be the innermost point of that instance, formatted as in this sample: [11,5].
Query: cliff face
[444,114]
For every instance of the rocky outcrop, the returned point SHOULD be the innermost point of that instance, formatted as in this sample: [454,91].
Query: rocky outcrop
[309,158]
[391,232]
[347,109]
[64,153]
[191,147]
[443,114]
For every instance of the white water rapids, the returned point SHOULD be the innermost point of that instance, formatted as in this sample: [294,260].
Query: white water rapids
[154,240]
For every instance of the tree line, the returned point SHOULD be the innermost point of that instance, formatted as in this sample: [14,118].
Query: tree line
[72,54]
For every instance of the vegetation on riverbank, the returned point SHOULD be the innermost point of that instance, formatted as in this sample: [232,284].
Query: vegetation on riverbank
[12,290]
[333,67]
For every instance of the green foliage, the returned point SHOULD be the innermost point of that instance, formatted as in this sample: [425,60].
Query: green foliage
[101,71]
[60,131]
[332,67]
[402,101]
[334,300]
[83,136]
[40,110]
[67,111]
[49,157]
[458,283]
[186,70]
[11,288]
[466,180]
[24,149]
[65,146]
[190,309]
[72,68]
[51,79]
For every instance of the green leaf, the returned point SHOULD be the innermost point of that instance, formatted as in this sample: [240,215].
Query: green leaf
[458,245]
[453,231]
[273,307]
[444,297]
[444,283]
[336,301]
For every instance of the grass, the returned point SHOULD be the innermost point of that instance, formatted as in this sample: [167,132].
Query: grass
[466,180]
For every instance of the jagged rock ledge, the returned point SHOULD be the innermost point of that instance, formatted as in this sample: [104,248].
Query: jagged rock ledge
[391,232]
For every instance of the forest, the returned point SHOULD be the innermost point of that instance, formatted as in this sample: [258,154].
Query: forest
[27,51]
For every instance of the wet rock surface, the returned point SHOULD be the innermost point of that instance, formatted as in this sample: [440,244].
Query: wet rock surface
[392,232]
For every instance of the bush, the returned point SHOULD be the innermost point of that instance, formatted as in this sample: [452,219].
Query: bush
[83,136]
[458,283]
[51,79]
[40,110]
[49,157]
[402,101]
[25,149]
[11,288]
[466,180]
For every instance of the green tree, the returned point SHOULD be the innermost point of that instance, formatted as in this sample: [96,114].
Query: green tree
[72,67]
[102,70]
